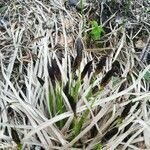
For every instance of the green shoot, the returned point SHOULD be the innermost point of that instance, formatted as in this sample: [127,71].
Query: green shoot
[56,102]
[81,6]
[98,147]
[97,31]
[79,123]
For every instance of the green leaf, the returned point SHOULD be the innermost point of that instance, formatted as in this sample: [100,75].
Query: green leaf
[98,147]
[115,81]
[96,30]
[147,76]
[2,8]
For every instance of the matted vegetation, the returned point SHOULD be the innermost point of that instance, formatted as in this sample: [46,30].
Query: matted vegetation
[75,76]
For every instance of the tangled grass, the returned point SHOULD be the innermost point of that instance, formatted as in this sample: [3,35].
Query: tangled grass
[61,89]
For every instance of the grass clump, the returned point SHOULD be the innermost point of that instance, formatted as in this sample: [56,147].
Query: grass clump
[62,90]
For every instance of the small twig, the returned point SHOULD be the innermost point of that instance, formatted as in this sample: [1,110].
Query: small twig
[98,49]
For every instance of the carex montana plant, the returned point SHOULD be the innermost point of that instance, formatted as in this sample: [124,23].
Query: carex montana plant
[68,98]
[82,82]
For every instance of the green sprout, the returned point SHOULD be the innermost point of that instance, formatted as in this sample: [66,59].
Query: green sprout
[97,30]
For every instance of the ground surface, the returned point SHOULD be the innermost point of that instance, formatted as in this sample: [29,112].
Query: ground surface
[75,74]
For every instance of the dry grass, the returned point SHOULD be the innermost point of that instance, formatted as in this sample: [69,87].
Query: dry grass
[32,34]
